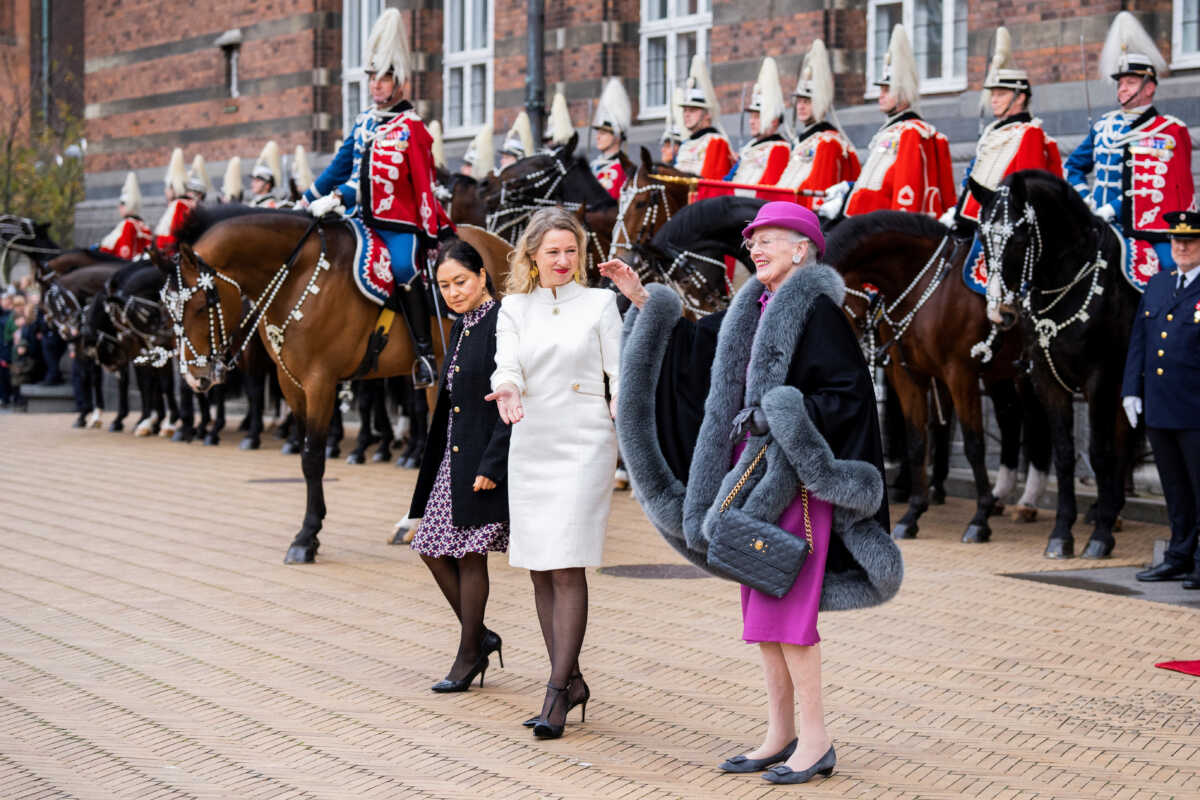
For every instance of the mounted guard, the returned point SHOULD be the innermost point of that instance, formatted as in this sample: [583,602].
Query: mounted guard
[383,174]
[1142,159]
[265,177]
[179,204]
[132,236]
[908,167]
[823,156]
[199,185]
[706,152]
[614,115]
[480,159]
[765,157]
[559,125]
[518,142]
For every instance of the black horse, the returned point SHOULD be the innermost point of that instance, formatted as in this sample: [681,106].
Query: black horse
[1056,267]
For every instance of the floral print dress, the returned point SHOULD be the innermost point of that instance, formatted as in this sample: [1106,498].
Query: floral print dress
[437,536]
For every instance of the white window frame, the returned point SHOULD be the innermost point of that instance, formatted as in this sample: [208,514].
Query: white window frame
[671,27]
[368,11]
[952,83]
[1180,59]
[465,60]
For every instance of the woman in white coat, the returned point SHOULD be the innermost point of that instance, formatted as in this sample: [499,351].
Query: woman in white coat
[556,341]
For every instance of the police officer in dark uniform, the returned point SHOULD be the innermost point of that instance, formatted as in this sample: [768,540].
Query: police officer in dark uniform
[1162,377]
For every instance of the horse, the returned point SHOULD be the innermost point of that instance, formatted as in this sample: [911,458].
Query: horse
[553,178]
[645,205]
[318,327]
[914,313]
[1056,268]
[465,206]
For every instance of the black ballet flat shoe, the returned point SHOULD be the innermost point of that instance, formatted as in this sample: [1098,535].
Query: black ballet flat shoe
[448,686]
[490,643]
[781,773]
[743,764]
[544,728]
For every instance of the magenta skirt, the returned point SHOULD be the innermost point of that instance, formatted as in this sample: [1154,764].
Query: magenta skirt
[791,619]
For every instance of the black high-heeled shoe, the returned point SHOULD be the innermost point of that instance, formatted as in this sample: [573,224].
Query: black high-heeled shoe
[446,686]
[544,729]
[490,643]
[577,678]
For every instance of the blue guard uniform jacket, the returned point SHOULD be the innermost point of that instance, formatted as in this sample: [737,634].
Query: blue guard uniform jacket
[1163,365]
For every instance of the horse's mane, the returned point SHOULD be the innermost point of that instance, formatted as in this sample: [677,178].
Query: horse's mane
[145,277]
[703,219]
[1037,181]
[206,216]
[851,231]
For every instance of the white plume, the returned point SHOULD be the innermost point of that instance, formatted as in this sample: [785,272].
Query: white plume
[1126,35]
[387,47]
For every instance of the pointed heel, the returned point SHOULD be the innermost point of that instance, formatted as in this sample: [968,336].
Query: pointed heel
[492,643]
[583,711]
[482,672]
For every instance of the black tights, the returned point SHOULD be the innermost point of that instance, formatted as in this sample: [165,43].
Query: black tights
[561,596]
[464,582]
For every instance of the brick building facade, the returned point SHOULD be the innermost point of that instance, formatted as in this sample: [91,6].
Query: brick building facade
[154,80]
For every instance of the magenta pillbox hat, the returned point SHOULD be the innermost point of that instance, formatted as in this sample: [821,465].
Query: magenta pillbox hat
[794,217]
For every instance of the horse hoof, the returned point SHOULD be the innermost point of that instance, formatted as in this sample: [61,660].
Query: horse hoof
[300,555]
[997,510]
[212,440]
[1060,548]
[250,443]
[290,448]
[116,426]
[183,435]
[403,535]
[1024,514]
[937,496]
[381,456]
[332,451]
[905,530]
[976,534]
[1097,549]
[355,458]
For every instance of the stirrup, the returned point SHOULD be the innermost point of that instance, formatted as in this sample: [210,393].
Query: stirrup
[419,382]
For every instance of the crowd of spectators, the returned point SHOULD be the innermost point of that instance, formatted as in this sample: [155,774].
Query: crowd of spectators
[30,348]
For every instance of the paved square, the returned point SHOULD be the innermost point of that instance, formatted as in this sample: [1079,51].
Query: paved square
[152,644]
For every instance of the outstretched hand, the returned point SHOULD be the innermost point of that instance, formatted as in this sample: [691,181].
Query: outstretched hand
[626,280]
[508,403]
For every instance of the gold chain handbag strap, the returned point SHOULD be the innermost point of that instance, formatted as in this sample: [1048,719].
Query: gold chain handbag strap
[737,488]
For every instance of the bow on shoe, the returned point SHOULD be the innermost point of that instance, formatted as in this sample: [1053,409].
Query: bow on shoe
[752,419]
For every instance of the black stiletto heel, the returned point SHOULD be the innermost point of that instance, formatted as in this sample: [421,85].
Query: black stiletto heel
[544,729]
[491,643]
[581,701]
[446,686]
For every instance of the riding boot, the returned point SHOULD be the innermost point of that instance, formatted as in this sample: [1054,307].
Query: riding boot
[410,298]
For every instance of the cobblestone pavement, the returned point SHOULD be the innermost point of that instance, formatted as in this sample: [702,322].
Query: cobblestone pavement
[152,644]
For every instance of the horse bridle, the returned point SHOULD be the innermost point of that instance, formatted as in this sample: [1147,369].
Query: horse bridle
[996,234]
[629,192]
[223,348]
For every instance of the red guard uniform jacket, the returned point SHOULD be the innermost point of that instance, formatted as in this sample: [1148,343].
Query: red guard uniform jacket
[611,173]
[171,221]
[1008,145]
[908,169]
[763,161]
[705,153]
[397,184]
[128,240]
[822,157]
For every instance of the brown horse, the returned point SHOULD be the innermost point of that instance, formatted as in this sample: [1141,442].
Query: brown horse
[646,204]
[906,296]
[465,206]
[314,320]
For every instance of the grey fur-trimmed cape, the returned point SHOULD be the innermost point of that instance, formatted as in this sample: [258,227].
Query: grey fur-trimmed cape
[868,568]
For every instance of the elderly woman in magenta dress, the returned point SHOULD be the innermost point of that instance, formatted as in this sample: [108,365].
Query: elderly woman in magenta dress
[557,343]
[461,494]
[785,348]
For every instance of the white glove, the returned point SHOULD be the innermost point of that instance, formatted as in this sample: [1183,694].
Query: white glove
[947,219]
[1106,212]
[835,198]
[1133,409]
[323,205]
[1088,200]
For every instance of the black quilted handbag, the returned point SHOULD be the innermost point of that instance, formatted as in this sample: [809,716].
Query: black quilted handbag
[758,554]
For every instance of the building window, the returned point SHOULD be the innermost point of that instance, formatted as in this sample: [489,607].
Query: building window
[358,16]
[467,66]
[938,32]
[1185,36]
[672,32]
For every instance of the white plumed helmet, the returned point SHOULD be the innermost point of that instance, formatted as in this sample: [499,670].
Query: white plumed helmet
[614,112]
[559,128]
[131,195]
[302,174]
[387,47]
[176,177]
[900,70]
[231,186]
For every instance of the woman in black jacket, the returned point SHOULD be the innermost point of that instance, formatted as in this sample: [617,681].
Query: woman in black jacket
[461,495]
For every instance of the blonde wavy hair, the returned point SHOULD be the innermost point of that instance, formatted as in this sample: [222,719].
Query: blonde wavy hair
[522,275]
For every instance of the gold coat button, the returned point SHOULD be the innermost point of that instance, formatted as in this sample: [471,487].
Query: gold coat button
[467,332]
[1164,334]
[455,448]
[1160,353]
[555,311]
[456,369]
[1170,317]
[1158,371]
[457,410]
[575,386]
[1147,313]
